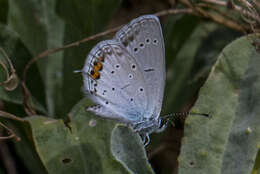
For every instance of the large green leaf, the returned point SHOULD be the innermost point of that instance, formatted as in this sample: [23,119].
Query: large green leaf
[40,29]
[89,145]
[228,142]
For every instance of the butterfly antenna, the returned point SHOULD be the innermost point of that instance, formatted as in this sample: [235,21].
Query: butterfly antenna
[175,116]
[180,114]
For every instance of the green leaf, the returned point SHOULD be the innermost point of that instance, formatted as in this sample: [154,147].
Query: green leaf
[123,150]
[90,145]
[228,142]
[40,29]
[256,169]
[25,149]
[18,54]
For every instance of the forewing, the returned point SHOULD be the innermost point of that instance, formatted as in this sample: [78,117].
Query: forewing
[143,39]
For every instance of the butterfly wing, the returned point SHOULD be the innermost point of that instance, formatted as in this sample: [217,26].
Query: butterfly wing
[143,39]
[114,80]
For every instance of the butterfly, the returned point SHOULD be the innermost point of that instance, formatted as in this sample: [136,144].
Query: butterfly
[125,76]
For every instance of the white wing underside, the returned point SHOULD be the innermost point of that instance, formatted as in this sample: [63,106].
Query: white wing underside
[131,83]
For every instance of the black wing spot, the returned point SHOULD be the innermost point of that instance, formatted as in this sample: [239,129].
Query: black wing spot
[125,86]
[141,45]
[149,70]
[130,76]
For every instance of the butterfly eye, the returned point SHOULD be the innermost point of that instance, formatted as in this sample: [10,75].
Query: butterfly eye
[135,49]
[133,66]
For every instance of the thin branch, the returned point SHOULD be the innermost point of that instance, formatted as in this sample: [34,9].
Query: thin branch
[236,7]
[174,11]
[10,116]
[12,134]
[210,6]
[216,18]
[12,69]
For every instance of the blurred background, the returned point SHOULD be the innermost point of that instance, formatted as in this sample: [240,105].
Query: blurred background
[193,38]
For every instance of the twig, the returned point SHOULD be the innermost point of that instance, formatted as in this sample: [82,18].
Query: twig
[235,7]
[174,11]
[11,77]
[10,116]
[211,6]
[12,134]
[216,18]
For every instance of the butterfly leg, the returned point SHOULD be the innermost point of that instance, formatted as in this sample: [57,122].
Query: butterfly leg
[145,139]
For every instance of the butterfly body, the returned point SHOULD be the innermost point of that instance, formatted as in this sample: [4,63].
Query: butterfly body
[125,76]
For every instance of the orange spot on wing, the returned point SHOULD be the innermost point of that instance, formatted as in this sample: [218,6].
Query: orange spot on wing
[94,74]
[98,66]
